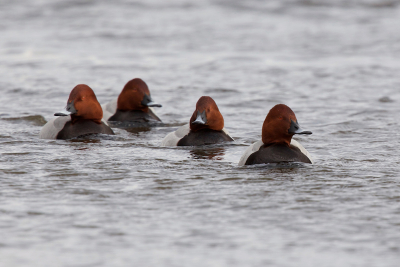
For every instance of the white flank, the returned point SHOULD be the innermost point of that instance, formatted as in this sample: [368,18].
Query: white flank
[109,109]
[302,149]
[53,127]
[173,138]
[250,150]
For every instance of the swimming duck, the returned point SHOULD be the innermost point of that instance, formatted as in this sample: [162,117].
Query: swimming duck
[277,144]
[132,107]
[83,116]
[206,127]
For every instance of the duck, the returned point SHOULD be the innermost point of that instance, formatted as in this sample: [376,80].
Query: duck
[133,107]
[276,144]
[206,126]
[83,116]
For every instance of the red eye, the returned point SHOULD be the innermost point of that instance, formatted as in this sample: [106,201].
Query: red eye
[280,117]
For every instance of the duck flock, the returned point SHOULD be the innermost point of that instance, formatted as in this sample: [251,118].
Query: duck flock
[134,108]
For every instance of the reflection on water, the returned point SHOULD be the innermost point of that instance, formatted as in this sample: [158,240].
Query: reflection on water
[283,167]
[92,138]
[137,130]
[204,152]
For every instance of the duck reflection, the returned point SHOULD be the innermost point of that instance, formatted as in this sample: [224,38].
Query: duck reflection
[137,130]
[87,139]
[215,153]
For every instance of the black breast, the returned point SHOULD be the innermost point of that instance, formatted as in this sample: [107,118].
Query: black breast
[204,137]
[277,153]
[83,127]
[134,116]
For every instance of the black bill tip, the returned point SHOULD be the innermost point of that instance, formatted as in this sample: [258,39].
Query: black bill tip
[60,114]
[295,129]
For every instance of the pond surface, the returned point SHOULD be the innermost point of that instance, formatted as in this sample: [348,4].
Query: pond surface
[126,201]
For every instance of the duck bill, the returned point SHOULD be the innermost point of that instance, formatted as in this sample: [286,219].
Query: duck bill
[295,129]
[148,102]
[70,110]
[201,118]
[63,113]
[153,104]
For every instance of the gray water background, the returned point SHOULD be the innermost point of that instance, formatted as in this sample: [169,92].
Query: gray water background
[125,201]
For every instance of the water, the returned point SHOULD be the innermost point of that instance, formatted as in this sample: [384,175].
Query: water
[125,201]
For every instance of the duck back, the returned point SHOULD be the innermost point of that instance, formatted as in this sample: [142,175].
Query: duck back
[83,127]
[204,137]
[134,116]
[277,153]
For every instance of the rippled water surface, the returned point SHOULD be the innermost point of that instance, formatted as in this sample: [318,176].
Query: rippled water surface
[125,201]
